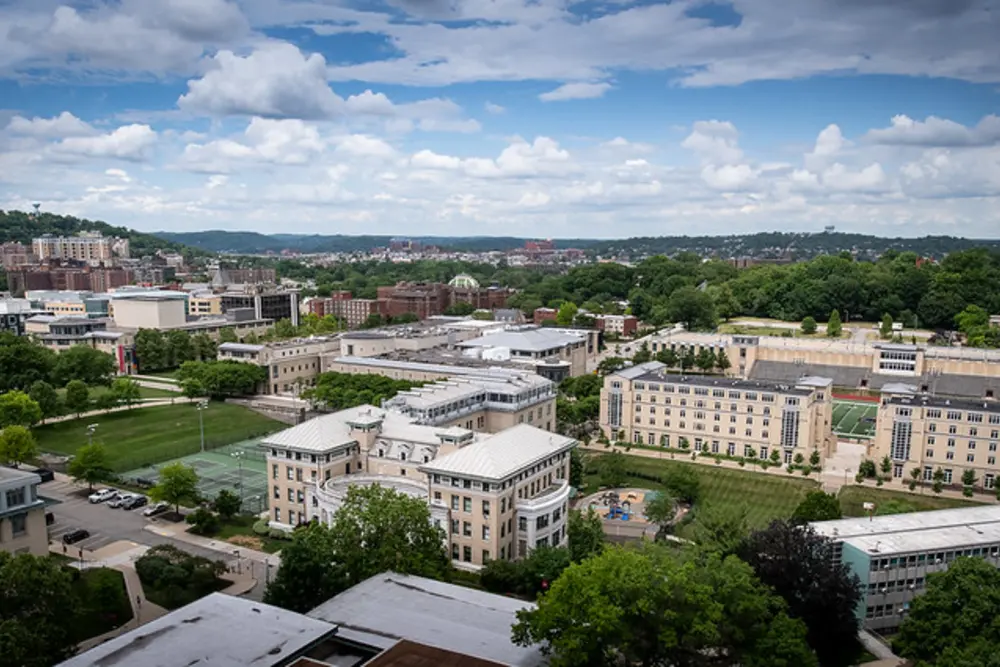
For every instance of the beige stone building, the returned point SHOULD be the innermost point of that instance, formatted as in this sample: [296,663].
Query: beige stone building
[851,364]
[644,404]
[88,247]
[927,433]
[291,365]
[202,304]
[491,401]
[495,496]
[150,312]
[22,513]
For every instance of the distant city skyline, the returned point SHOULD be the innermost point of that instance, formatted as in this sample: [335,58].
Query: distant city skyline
[528,118]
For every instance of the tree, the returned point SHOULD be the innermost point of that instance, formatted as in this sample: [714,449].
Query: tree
[309,574]
[17,408]
[227,504]
[284,328]
[817,506]
[972,318]
[125,390]
[193,388]
[646,606]
[585,534]
[886,466]
[38,611]
[722,361]
[180,347]
[814,458]
[178,483]
[77,397]
[683,482]
[668,357]
[204,348]
[576,468]
[23,362]
[378,529]
[688,360]
[220,379]
[834,327]
[798,564]
[938,478]
[105,401]
[953,624]
[642,355]
[809,325]
[566,314]
[691,307]
[721,530]
[914,478]
[609,365]
[227,335]
[203,522]
[47,398]
[660,510]
[460,309]
[151,350]
[613,469]
[706,359]
[85,364]
[17,445]
[885,329]
[968,481]
[90,465]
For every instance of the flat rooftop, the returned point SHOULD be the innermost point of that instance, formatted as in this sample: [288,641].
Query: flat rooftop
[893,528]
[469,386]
[712,381]
[501,455]
[924,400]
[527,339]
[390,607]
[215,631]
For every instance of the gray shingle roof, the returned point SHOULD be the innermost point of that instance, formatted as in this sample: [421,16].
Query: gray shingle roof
[501,455]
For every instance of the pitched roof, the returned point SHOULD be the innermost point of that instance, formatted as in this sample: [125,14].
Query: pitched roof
[503,454]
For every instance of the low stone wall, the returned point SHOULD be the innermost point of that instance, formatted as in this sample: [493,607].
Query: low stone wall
[283,413]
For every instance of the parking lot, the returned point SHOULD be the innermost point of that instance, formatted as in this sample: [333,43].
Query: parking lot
[71,510]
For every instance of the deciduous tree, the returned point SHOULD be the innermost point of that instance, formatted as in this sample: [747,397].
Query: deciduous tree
[77,397]
[227,504]
[85,364]
[310,573]
[47,398]
[178,483]
[37,611]
[17,445]
[91,465]
[23,362]
[18,408]
[798,564]
[954,623]
[647,606]
[125,391]
[585,534]
[809,325]
[834,327]
[817,506]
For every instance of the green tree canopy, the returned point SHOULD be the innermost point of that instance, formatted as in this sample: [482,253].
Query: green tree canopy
[222,379]
[85,364]
[309,574]
[18,408]
[566,314]
[17,445]
[338,391]
[809,325]
[47,398]
[693,308]
[178,483]
[90,464]
[37,611]
[23,362]
[227,504]
[125,391]
[954,623]
[77,397]
[585,534]
[834,327]
[650,606]
[798,564]
[817,506]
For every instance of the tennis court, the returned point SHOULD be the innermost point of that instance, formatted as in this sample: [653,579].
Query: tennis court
[220,468]
[854,420]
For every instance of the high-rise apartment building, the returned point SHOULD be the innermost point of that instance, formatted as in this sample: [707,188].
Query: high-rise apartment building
[644,404]
[89,247]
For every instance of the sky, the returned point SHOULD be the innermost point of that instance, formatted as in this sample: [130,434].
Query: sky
[536,118]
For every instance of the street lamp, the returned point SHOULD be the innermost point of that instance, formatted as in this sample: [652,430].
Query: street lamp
[90,433]
[238,455]
[202,406]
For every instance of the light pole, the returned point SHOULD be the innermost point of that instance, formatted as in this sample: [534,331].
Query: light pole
[202,406]
[90,433]
[238,455]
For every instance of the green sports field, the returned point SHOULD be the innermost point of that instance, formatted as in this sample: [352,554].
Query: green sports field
[146,436]
[853,419]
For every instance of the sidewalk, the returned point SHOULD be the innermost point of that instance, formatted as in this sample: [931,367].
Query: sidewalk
[148,403]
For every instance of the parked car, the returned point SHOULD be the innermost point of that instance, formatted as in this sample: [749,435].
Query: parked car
[158,508]
[74,536]
[102,495]
[120,497]
[134,502]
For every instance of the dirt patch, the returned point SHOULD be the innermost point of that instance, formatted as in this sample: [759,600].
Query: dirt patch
[247,541]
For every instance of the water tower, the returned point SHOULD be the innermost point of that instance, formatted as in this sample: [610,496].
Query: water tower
[36,206]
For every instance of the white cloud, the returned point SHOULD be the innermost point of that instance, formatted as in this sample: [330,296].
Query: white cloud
[129,142]
[870,178]
[63,125]
[934,131]
[728,177]
[272,141]
[576,91]
[714,142]
[829,141]
[361,145]
[495,109]
[275,81]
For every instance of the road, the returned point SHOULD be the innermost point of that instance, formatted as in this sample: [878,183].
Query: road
[107,524]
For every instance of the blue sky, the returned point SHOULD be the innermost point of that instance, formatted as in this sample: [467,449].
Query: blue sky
[601,118]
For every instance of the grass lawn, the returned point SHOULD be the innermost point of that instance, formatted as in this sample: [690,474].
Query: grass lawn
[144,392]
[852,499]
[764,496]
[145,436]
[104,601]
[773,331]
[170,375]
[242,526]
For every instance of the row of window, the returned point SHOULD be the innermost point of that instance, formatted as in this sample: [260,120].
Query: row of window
[472,484]
[700,427]
[933,558]
[989,479]
[704,391]
[733,407]
[956,415]
[953,430]
[701,415]
[969,457]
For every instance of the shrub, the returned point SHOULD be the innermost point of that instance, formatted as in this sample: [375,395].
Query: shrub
[278,534]
[203,522]
[261,527]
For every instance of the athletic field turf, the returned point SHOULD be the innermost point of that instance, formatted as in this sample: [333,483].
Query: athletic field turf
[142,437]
[854,420]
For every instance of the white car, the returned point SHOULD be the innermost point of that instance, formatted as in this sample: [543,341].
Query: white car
[158,508]
[120,497]
[102,495]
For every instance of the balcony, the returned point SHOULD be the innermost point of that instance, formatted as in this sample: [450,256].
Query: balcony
[546,500]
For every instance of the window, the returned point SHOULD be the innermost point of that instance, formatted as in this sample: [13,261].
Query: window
[467,528]
[19,524]
[947,476]
[274,471]
[290,473]
[454,526]
[454,551]
[542,522]
[454,502]
[486,508]
[466,504]
[291,495]
[486,533]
